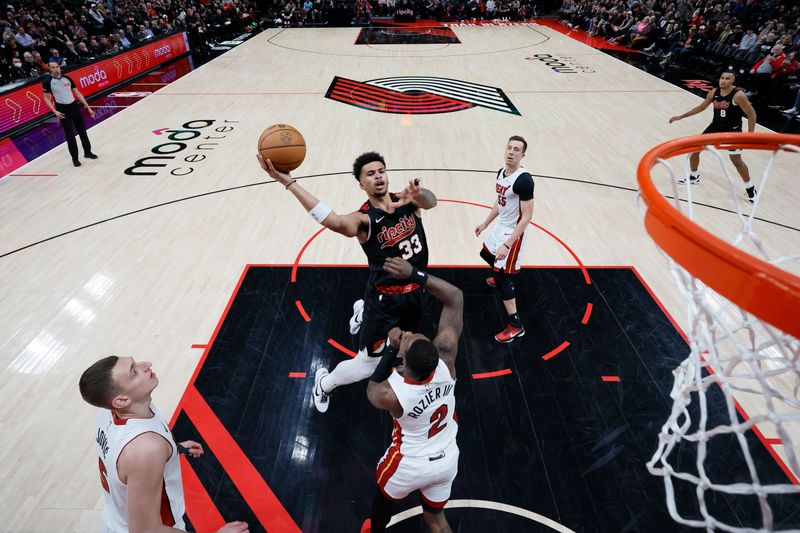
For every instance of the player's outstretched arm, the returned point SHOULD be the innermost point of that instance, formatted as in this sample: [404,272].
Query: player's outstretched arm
[348,225]
[451,321]
[379,392]
[416,195]
[697,109]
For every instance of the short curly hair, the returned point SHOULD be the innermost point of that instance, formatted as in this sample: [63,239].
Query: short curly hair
[365,159]
[422,357]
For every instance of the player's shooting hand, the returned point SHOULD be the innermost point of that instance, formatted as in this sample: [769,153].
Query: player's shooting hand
[234,527]
[398,268]
[281,177]
[407,195]
[195,449]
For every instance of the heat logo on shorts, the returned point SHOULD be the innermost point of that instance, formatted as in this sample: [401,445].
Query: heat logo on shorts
[418,95]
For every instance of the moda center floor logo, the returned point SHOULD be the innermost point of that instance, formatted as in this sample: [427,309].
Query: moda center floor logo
[183,147]
[562,64]
[418,95]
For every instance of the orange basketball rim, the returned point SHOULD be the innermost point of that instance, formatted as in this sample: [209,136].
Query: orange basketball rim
[764,290]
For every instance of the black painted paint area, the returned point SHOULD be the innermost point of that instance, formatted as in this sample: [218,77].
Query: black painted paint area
[386,35]
[551,437]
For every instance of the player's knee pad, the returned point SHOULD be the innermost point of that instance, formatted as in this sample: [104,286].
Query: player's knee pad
[487,256]
[504,285]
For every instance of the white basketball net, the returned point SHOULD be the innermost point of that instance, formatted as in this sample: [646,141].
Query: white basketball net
[751,362]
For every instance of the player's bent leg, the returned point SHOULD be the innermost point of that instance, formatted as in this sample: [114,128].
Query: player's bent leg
[744,172]
[360,367]
[381,512]
[514,327]
[436,520]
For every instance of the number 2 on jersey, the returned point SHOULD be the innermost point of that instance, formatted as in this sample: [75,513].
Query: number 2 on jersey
[410,246]
[436,420]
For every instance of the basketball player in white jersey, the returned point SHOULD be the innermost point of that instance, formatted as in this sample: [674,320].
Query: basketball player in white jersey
[420,396]
[502,245]
[139,467]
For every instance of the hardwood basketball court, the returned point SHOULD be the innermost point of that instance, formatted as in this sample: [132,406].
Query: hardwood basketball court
[188,256]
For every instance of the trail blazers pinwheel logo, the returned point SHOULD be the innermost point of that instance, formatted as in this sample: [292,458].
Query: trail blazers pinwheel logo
[418,95]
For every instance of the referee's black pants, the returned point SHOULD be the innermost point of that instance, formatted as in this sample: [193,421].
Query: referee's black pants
[73,120]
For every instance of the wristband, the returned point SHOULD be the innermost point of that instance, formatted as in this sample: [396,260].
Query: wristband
[384,368]
[320,211]
[290,184]
[507,246]
[419,277]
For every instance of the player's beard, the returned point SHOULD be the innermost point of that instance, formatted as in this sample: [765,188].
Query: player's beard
[380,194]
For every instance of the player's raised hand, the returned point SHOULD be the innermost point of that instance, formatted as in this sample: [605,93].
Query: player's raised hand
[234,527]
[195,449]
[398,268]
[407,195]
[395,335]
[281,177]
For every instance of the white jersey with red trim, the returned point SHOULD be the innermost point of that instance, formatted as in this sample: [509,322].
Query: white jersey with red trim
[427,426]
[113,434]
[507,199]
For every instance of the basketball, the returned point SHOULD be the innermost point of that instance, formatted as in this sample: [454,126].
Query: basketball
[283,145]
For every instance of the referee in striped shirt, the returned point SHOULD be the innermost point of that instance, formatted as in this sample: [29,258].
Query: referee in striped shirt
[62,89]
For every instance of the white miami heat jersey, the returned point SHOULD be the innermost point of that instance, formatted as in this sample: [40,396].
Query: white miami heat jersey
[507,199]
[113,434]
[427,426]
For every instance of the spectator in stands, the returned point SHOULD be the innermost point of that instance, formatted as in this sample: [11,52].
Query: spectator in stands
[749,40]
[83,51]
[16,72]
[735,37]
[70,54]
[766,69]
[32,70]
[725,35]
[643,35]
[122,40]
[37,59]
[55,57]
[24,39]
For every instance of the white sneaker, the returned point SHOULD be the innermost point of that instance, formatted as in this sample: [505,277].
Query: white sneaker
[321,398]
[791,111]
[358,315]
[752,193]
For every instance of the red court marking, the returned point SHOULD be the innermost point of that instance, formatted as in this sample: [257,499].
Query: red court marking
[259,497]
[202,512]
[555,352]
[552,235]
[302,311]
[199,345]
[300,253]
[494,374]
[206,350]
[583,37]
[297,374]
[587,314]
[610,378]
[341,348]
[31,175]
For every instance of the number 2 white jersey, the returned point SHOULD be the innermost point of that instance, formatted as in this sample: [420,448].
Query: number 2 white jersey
[113,434]
[427,426]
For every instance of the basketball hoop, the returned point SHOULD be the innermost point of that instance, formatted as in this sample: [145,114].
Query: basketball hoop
[743,330]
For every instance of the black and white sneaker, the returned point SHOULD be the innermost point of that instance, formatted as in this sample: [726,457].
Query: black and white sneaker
[693,180]
[321,398]
[358,316]
[751,194]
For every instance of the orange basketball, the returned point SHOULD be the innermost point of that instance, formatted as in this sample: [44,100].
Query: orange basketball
[283,145]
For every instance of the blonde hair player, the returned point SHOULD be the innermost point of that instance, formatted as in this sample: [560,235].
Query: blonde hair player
[730,104]
[502,245]
[420,396]
[139,467]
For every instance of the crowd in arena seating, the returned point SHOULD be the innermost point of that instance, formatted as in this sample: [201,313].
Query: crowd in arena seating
[758,39]
[74,31]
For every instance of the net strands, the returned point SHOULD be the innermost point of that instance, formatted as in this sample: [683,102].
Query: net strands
[745,355]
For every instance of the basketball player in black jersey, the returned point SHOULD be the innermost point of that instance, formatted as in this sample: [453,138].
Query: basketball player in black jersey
[386,225]
[730,104]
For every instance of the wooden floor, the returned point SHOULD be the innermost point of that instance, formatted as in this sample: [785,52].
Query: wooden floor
[155,258]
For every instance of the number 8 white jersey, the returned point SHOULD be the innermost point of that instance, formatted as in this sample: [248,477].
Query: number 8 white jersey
[428,425]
